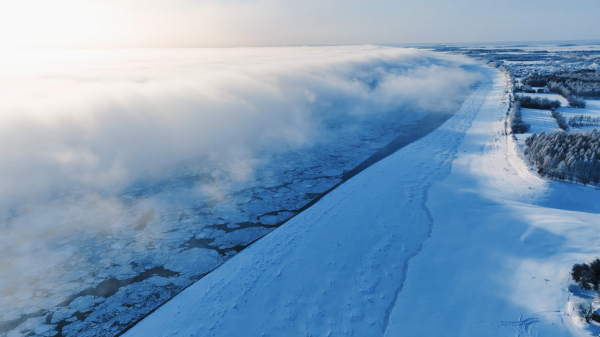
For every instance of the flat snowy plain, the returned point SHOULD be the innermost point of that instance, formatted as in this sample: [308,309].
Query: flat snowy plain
[453,235]
[592,109]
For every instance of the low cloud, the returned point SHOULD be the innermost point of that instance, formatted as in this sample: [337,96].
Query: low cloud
[97,121]
[82,132]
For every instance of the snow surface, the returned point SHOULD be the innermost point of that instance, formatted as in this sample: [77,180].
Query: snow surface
[451,235]
[592,108]
[539,121]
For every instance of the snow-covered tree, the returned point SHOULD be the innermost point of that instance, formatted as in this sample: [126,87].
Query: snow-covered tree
[570,156]
[537,103]
[579,121]
[514,116]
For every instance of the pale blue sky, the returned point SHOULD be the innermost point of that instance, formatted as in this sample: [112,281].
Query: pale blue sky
[205,23]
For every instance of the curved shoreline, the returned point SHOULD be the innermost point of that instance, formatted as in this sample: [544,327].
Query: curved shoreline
[409,134]
[341,189]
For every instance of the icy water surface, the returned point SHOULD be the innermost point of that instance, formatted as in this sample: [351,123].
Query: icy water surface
[94,262]
[161,248]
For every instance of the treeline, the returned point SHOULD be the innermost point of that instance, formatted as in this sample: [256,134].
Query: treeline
[580,121]
[568,156]
[537,103]
[514,110]
[566,93]
[529,90]
[516,119]
[587,276]
[583,83]
[493,51]
[560,120]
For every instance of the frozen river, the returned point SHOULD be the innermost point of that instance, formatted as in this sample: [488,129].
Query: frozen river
[118,256]
[167,242]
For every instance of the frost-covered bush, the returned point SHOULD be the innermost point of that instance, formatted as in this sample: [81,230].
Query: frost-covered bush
[514,116]
[558,88]
[514,112]
[511,82]
[583,83]
[535,81]
[579,121]
[576,102]
[566,93]
[586,311]
[568,85]
[560,120]
[586,275]
[537,103]
[570,156]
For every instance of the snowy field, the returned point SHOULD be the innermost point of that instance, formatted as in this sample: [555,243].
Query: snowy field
[542,121]
[138,224]
[539,121]
[592,108]
[452,235]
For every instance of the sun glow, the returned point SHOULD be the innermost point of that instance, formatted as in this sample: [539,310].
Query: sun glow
[42,24]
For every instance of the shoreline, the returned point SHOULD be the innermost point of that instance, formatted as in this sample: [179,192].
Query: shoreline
[108,289]
[317,226]
[409,134]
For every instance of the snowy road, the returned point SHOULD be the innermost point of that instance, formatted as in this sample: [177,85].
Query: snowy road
[451,235]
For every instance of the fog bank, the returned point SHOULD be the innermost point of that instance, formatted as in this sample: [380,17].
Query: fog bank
[97,121]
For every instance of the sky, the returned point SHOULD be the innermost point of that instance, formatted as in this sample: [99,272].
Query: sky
[225,23]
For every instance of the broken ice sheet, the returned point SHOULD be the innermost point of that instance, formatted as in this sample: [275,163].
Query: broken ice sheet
[118,251]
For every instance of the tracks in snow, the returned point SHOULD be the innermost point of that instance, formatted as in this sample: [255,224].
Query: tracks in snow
[388,310]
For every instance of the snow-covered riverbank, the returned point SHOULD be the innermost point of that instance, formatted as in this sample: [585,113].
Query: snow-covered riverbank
[91,261]
[453,234]
[502,246]
[336,268]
